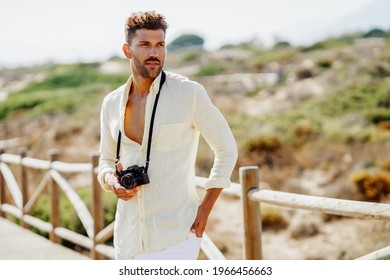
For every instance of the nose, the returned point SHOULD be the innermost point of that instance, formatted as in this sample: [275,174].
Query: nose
[153,51]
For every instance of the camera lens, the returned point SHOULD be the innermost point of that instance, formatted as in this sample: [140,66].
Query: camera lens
[127,181]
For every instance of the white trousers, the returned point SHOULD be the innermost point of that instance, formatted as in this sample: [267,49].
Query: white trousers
[186,250]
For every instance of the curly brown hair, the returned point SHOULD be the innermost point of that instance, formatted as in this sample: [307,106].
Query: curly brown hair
[148,20]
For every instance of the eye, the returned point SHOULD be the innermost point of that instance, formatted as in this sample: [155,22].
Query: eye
[143,44]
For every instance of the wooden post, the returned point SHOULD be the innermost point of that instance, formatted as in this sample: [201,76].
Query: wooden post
[23,181]
[54,200]
[6,136]
[2,189]
[97,206]
[249,179]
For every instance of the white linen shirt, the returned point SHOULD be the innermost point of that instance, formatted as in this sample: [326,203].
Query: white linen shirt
[162,212]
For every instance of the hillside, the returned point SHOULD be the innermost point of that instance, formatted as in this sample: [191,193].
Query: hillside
[310,117]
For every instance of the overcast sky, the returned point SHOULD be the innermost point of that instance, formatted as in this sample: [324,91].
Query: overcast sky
[35,31]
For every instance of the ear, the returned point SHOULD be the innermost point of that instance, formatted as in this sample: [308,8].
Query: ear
[126,50]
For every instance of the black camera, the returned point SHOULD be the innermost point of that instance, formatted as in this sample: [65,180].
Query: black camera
[133,176]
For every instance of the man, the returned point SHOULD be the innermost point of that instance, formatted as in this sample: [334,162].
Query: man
[163,219]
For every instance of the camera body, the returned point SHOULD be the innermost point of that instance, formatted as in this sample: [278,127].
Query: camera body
[133,176]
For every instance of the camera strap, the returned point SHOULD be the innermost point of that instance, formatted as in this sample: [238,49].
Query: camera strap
[118,145]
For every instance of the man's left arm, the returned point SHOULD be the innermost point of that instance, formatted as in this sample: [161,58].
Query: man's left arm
[215,130]
[204,210]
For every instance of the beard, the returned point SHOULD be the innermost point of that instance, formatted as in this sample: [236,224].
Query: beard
[146,73]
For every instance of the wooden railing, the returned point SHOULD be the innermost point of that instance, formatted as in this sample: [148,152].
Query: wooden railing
[54,181]
[248,190]
[253,196]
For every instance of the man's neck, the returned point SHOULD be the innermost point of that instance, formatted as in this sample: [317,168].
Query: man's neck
[140,85]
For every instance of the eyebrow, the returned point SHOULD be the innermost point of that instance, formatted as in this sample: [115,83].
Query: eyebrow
[148,42]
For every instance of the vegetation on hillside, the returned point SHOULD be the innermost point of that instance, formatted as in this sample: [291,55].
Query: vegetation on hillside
[65,89]
[354,108]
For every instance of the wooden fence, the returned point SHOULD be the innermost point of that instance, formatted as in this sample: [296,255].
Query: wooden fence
[17,190]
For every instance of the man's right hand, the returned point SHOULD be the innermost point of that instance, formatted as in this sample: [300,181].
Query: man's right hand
[113,185]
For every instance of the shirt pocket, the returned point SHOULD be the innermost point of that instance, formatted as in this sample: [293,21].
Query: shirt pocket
[170,137]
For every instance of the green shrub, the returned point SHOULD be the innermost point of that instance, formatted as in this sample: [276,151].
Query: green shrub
[385,164]
[330,43]
[380,71]
[353,136]
[303,130]
[263,143]
[374,33]
[43,102]
[378,115]
[356,98]
[186,40]
[260,59]
[304,229]
[272,217]
[324,63]
[65,90]
[373,185]
[68,216]
[315,46]
[190,56]
[210,69]
[282,44]
[384,96]
[301,133]
[42,212]
[74,76]
[16,102]
[304,74]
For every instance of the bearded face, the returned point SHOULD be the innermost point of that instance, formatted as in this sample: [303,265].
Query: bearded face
[147,52]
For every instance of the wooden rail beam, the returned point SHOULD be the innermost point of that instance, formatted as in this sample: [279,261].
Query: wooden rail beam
[335,206]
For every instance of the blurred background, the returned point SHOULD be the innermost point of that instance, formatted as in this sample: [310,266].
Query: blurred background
[40,31]
[304,86]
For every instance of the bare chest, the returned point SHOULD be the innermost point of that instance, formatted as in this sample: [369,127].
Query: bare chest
[134,124]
